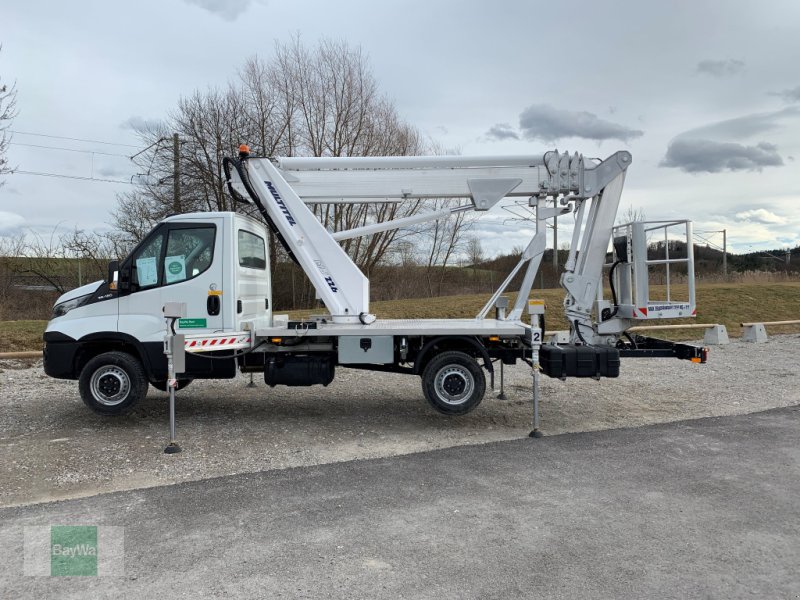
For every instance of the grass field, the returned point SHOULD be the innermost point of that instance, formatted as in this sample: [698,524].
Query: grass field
[16,336]
[728,304]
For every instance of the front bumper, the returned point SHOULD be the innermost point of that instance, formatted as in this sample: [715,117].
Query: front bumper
[59,355]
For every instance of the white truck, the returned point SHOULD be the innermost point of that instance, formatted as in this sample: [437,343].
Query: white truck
[109,335]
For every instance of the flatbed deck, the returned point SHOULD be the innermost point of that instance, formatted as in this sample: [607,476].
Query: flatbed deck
[425,327]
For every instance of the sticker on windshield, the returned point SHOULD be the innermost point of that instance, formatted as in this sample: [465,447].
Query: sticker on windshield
[175,268]
[147,271]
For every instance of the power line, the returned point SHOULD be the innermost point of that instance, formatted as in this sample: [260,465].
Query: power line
[41,174]
[709,242]
[158,141]
[61,137]
[67,149]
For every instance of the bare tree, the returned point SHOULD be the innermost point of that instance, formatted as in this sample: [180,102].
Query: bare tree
[631,215]
[58,261]
[474,251]
[445,240]
[92,251]
[8,110]
[303,101]
[405,253]
[42,259]
[309,102]
[11,247]
[331,107]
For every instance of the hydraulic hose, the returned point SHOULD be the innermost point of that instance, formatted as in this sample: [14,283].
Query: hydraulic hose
[237,164]
[613,290]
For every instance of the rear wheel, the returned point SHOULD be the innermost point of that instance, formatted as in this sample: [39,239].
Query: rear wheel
[453,383]
[112,383]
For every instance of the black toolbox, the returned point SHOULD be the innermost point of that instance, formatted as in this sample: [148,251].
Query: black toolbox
[579,361]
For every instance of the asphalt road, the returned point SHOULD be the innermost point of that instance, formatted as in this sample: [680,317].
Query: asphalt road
[707,508]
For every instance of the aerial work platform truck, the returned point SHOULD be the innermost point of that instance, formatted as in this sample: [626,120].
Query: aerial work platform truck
[109,335]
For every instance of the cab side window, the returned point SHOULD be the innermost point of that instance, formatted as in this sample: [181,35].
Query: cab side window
[252,251]
[146,263]
[189,253]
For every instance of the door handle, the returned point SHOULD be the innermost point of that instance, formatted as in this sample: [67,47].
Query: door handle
[213,305]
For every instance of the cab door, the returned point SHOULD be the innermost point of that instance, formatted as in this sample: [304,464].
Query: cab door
[193,273]
[177,262]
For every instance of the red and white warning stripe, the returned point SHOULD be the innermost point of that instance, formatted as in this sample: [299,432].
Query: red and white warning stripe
[218,341]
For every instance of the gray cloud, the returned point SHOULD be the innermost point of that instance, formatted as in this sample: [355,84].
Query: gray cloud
[746,126]
[137,123]
[502,131]
[227,9]
[790,95]
[718,146]
[107,171]
[546,123]
[720,68]
[703,155]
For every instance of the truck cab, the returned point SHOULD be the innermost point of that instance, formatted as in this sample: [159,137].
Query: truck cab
[110,334]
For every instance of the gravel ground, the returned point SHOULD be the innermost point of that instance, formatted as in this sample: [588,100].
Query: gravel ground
[53,447]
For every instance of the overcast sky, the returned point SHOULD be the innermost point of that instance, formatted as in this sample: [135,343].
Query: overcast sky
[706,95]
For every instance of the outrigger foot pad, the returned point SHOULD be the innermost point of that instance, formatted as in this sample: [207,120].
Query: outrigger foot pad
[172,448]
[535,434]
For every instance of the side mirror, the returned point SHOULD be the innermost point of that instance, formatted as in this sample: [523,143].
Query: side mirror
[123,278]
[113,268]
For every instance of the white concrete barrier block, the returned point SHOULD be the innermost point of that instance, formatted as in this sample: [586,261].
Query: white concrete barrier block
[716,335]
[754,333]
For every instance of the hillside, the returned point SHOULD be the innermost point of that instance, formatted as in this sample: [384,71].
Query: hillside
[728,304]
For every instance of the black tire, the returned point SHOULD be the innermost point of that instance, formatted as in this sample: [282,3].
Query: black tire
[162,385]
[453,383]
[112,383]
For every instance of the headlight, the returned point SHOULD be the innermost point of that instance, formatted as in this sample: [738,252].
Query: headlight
[59,310]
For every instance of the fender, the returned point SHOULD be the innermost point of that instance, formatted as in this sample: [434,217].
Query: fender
[122,338]
[62,353]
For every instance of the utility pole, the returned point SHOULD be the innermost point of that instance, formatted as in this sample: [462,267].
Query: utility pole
[725,254]
[176,174]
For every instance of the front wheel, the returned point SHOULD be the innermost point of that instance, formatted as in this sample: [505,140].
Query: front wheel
[453,383]
[112,383]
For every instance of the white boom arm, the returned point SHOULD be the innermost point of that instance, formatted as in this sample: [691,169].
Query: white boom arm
[281,193]
[340,284]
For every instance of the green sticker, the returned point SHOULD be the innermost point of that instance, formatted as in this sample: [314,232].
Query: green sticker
[175,268]
[192,323]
